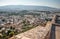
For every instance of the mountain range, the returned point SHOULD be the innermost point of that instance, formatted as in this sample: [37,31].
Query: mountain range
[27,7]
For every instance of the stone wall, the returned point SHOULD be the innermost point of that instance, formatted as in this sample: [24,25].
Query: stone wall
[36,33]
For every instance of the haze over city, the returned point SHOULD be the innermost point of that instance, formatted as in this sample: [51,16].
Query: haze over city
[50,3]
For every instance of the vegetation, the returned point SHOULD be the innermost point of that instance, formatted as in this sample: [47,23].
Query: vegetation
[27,26]
[11,31]
[7,33]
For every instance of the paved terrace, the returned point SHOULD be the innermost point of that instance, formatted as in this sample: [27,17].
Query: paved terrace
[55,31]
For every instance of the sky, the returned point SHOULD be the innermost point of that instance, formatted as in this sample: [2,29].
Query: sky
[50,3]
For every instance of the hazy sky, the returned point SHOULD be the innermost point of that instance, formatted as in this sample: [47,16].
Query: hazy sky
[50,3]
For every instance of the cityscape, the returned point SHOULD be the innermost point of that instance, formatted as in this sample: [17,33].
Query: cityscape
[29,21]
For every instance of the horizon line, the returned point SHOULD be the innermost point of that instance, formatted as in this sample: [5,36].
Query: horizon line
[28,5]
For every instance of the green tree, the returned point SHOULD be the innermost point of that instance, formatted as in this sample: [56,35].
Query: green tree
[11,34]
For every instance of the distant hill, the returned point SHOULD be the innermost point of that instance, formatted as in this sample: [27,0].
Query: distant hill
[27,7]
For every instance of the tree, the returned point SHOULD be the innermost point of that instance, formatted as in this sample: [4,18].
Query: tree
[11,34]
